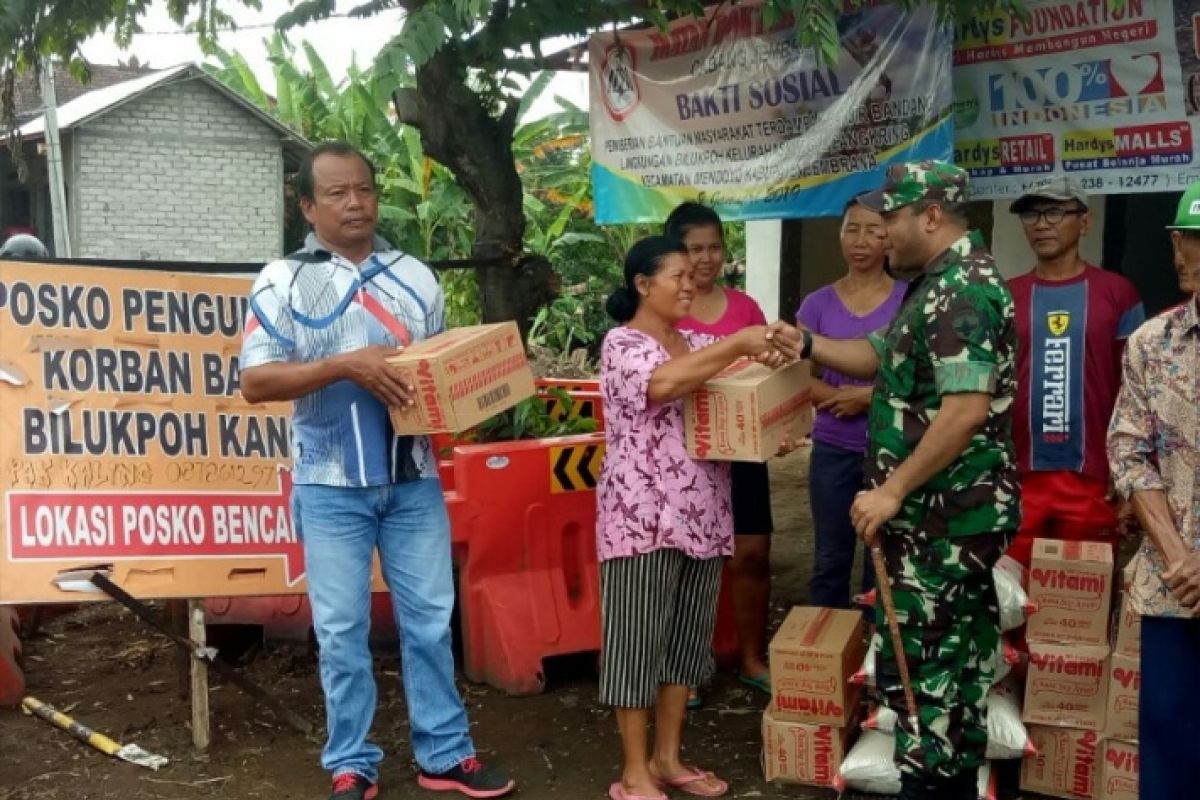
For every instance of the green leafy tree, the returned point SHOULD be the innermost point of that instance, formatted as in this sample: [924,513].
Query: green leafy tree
[464,102]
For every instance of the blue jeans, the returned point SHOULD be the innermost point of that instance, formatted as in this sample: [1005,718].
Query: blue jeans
[341,529]
[835,476]
[1169,708]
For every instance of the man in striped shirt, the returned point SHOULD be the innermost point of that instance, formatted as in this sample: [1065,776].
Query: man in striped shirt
[325,320]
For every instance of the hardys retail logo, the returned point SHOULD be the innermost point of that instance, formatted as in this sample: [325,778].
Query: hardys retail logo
[1121,86]
[618,81]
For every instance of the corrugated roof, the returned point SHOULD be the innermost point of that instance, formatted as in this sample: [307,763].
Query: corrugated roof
[95,103]
[27,100]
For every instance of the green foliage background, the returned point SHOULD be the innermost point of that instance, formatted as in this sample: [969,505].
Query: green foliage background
[424,212]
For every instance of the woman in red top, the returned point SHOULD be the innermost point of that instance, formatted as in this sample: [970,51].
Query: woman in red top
[720,311]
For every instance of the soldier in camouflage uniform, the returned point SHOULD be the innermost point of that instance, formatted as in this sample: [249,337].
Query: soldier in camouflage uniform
[942,497]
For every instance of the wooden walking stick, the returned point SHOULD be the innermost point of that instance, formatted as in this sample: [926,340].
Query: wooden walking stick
[889,606]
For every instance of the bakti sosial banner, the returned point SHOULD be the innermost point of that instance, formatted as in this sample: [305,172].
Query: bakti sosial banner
[735,114]
[1108,92]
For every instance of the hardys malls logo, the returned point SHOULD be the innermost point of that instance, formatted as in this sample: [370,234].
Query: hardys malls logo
[1062,92]
[618,81]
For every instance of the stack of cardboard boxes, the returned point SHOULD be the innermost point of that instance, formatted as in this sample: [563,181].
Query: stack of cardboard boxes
[1080,696]
[1119,771]
[813,718]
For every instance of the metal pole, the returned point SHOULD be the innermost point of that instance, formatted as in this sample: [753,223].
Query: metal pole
[54,164]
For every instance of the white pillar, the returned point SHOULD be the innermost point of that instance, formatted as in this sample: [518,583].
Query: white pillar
[54,163]
[764,242]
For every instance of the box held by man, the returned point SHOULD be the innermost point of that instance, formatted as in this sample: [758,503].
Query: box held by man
[463,377]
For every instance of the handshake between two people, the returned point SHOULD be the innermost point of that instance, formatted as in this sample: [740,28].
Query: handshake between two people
[776,345]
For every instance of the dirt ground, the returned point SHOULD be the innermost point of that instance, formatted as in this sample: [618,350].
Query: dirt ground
[112,673]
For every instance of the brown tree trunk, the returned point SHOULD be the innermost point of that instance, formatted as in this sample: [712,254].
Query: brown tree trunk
[460,130]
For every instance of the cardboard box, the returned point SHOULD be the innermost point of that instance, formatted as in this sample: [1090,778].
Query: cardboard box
[1067,763]
[1066,686]
[796,752]
[1070,584]
[1124,685]
[1119,771]
[1129,622]
[747,411]
[462,377]
[812,656]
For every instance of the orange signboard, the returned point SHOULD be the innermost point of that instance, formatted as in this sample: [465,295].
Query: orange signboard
[125,443]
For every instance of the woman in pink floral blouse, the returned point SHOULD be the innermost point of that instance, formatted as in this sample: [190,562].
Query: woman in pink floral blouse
[664,524]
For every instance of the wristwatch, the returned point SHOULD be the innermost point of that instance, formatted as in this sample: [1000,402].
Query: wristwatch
[806,348]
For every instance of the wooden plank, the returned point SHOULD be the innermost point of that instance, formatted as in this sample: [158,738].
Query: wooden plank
[201,731]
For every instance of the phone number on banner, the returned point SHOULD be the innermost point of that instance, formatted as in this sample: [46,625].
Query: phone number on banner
[1117,183]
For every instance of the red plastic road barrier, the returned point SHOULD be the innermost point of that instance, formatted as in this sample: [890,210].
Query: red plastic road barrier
[523,523]
[585,402]
[12,679]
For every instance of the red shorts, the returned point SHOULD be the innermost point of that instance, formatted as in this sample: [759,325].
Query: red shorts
[1062,505]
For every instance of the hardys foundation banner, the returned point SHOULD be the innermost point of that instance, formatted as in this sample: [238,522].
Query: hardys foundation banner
[729,111]
[125,444]
[1108,92]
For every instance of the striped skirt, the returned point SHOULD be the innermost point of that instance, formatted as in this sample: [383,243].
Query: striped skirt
[658,613]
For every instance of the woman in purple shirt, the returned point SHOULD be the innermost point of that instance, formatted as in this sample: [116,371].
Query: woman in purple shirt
[862,302]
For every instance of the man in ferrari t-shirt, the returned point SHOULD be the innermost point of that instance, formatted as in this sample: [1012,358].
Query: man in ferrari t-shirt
[1072,322]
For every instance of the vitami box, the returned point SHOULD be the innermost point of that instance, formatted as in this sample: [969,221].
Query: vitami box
[1067,763]
[798,752]
[462,377]
[1070,586]
[747,411]
[1066,685]
[813,655]
[1129,621]
[1124,686]
[1119,772]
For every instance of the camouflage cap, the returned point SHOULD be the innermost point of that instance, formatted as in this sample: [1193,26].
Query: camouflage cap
[1187,216]
[913,181]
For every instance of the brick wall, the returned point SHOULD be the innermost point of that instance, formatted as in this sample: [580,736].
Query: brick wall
[179,173]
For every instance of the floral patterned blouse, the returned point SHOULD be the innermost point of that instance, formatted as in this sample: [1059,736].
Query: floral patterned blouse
[1154,439]
[651,494]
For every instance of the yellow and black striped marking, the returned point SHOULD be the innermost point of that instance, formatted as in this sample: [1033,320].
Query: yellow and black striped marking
[578,408]
[575,468]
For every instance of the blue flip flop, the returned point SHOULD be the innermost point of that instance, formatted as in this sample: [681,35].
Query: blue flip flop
[762,682]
